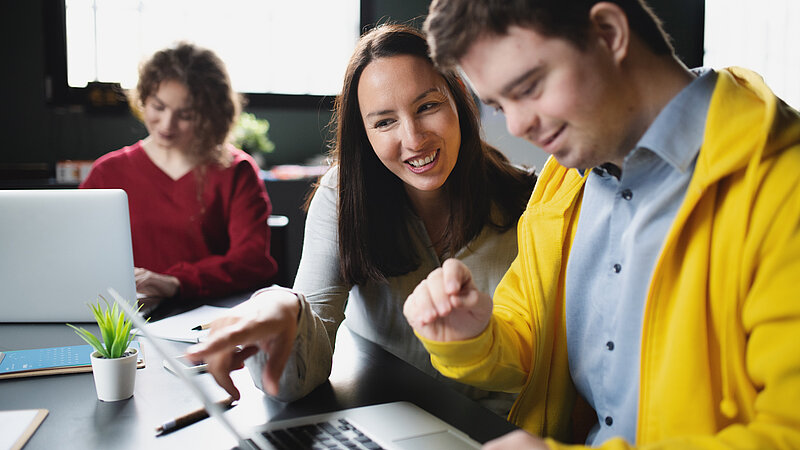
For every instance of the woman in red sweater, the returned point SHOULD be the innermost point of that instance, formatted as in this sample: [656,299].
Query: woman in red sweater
[198,207]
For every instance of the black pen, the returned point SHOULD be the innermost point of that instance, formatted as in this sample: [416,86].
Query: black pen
[190,418]
[202,327]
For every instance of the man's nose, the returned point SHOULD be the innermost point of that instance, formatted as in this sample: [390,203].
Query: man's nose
[520,121]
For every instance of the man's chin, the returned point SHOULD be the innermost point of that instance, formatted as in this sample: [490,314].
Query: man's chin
[569,161]
[573,160]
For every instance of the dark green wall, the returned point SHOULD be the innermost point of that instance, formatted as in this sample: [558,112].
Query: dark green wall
[36,133]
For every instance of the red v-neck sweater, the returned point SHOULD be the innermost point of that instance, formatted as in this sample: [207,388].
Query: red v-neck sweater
[214,252]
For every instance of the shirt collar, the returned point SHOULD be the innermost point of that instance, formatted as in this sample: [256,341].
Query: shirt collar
[677,132]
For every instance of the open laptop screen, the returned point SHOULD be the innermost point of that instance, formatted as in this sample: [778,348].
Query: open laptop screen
[61,249]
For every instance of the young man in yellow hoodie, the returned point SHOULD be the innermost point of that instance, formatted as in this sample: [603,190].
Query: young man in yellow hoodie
[659,251]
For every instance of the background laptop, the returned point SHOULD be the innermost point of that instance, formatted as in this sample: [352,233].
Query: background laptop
[59,250]
[396,425]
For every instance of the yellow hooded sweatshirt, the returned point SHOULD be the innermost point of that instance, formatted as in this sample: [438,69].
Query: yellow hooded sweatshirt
[720,355]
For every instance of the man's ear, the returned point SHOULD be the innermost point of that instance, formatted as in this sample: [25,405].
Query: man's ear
[610,24]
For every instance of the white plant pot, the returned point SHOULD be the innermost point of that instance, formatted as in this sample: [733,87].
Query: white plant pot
[114,378]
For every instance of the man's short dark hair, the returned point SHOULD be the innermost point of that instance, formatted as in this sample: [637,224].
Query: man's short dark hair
[453,25]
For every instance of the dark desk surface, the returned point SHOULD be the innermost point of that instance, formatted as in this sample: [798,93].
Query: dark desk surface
[363,374]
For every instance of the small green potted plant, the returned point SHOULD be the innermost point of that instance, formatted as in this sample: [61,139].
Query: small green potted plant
[113,362]
[251,134]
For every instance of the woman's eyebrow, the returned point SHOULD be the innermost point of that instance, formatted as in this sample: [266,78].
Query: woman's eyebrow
[182,108]
[422,95]
[416,99]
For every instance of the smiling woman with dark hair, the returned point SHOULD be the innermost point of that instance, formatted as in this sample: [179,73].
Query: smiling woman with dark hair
[412,184]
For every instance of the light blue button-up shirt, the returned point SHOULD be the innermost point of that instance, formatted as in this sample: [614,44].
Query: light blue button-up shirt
[621,229]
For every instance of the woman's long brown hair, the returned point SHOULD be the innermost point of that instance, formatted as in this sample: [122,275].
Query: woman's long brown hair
[374,240]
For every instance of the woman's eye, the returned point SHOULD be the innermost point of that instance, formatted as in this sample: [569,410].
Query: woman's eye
[382,123]
[428,106]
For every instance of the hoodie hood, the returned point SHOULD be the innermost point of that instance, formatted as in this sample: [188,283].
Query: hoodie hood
[737,113]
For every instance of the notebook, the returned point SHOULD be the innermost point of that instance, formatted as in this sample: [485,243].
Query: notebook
[60,249]
[53,360]
[186,326]
[396,425]
[19,426]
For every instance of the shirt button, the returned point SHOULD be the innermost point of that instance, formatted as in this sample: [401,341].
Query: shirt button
[617,268]
[610,345]
[627,194]
[609,420]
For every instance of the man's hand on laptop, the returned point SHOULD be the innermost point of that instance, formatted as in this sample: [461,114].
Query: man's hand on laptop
[447,306]
[266,322]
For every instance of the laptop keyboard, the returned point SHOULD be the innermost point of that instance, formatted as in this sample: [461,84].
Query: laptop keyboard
[334,434]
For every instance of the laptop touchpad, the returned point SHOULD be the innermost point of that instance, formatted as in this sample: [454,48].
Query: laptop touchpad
[443,440]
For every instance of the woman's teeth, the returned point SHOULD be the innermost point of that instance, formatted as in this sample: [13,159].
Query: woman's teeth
[422,161]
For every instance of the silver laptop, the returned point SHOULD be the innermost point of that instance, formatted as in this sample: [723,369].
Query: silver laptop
[397,425]
[61,249]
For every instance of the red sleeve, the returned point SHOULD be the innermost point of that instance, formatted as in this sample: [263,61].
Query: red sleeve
[247,264]
[94,180]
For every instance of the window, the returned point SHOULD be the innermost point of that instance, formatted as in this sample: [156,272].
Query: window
[762,36]
[288,48]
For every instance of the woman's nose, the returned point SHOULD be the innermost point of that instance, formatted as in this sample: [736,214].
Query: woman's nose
[413,135]
[173,120]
